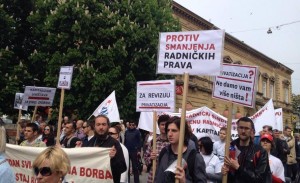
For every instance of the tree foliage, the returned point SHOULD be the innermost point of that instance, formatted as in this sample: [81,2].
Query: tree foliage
[111,44]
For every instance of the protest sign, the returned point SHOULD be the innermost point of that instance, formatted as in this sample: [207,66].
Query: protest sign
[18,102]
[279,119]
[236,84]
[65,77]
[38,96]
[193,52]
[156,95]
[91,164]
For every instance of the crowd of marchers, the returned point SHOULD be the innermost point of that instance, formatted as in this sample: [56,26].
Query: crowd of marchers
[273,156]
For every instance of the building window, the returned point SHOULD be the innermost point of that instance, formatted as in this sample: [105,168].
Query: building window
[264,88]
[272,90]
[286,94]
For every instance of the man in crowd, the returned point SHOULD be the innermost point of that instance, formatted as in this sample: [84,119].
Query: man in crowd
[31,134]
[79,130]
[241,168]
[283,149]
[133,144]
[102,139]
[88,130]
[291,158]
[69,140]
[219,146]
[161,142]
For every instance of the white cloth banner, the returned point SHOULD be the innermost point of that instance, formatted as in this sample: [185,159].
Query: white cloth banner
[88,165]
[265,116]
[146,122]
[279,119]
[109,108]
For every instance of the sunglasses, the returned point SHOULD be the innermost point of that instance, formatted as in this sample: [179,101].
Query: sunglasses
[47,129]
[44,171]
[111,133]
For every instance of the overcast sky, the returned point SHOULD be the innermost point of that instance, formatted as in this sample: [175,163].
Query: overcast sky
[249,21]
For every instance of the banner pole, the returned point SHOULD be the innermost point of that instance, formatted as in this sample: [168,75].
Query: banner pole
[18,126]
[61,105]
[34,113]
[228,136]
[154,145]
[182,120]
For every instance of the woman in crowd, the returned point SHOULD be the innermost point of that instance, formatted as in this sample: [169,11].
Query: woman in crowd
[6,173]
[212,162]
[51,165]
[48,136]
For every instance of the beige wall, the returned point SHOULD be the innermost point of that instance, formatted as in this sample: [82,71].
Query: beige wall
[235,51]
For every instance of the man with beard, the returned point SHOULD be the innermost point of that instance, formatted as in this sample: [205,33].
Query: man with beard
[103,139]
[251,163]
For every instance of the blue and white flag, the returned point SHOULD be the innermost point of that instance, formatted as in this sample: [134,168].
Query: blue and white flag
[109,108]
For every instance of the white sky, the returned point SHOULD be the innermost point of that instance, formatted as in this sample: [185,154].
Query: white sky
[249,21]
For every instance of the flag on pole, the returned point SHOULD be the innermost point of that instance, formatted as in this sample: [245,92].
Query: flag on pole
[109,108]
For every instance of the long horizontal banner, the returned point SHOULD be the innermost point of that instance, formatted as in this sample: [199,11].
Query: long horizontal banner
[88,164]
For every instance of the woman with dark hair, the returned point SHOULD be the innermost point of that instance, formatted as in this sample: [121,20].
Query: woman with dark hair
[212,162]
[48,136]
[195,169]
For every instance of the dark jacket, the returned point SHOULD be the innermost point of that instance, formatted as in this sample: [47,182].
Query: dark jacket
[281,149]
[133,140]
[169,157]
[254,165]
[49,140]
[117,163]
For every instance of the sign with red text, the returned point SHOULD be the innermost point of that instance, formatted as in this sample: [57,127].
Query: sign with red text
[156,95]
[89,164]
[236,84]
[65,77]
[279,119]
[38,96]
[194,52]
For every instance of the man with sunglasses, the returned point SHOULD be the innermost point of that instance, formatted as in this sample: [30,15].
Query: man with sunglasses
[103,139]
[31,136]
[251,163]
[133,144]
[88,130]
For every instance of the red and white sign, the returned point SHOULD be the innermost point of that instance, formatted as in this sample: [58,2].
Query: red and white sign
[65,77]
[88,164]
[38,96]
[155,96]
[236,84]
[194,52]
[279,119]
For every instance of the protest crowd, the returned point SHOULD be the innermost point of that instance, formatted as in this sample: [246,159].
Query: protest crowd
[273,156]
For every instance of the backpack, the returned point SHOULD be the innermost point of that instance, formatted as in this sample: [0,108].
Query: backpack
[190,160]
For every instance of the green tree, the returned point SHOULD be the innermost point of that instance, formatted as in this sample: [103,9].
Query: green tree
[111,44]
[296,103]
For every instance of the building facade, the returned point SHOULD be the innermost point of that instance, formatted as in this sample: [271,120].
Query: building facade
[274,80]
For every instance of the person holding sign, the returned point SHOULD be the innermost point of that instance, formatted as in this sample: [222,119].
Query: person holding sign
[51,165]
[195,169]
[250,163]
[102,139]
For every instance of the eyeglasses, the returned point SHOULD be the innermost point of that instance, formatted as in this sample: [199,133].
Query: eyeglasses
[44,171]
[243,128]
[266,140]
[47,129]
[111,133]
[131,124]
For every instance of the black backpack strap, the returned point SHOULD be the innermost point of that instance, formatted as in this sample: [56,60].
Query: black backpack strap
[161,154]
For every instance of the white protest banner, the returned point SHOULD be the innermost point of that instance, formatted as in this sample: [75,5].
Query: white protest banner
[194,52]
[236,84]
[18,102]
[265,116]
[89,164]
[65,77]
[155,96]
[146,122]
[279,119]
[109,108]
[38,96]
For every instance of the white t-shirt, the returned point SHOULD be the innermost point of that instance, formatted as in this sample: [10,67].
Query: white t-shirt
[124,175]
[212,163]
[276,166]
[219,150]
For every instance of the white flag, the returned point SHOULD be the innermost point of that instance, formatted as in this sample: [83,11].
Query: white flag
[265,116]
[109,108]
[279,120]
[146,122]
